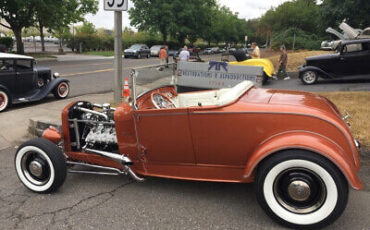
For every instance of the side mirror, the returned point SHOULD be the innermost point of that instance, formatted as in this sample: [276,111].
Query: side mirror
[56,75]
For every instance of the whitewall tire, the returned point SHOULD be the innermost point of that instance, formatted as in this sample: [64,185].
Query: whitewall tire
[40,165]
[301,189]
[61,91]
[4,100]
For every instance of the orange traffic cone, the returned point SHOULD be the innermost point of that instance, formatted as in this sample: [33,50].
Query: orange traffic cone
[126,89]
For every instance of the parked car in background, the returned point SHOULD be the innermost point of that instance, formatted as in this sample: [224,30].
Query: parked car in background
[215,50]
[2,48]
[172,52]
[154,50]
[351,61]
[208,51]
[21,81]
[138,51]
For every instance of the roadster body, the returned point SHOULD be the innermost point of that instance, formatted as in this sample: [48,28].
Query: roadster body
[21,81]
[295,146]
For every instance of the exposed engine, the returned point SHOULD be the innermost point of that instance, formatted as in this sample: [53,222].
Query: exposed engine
[93,127]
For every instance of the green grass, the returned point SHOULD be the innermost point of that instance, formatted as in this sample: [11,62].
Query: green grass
[40,55]
[100,53]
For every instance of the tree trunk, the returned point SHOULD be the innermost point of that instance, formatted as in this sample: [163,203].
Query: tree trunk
[18,36]
[42,36]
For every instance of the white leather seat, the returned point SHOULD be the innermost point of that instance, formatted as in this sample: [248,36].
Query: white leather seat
[233,93]
[215,97]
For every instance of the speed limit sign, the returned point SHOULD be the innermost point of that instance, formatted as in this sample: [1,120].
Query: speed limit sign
[116,5]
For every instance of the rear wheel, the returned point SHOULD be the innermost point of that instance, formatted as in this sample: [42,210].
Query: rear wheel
[40,165]
[62,90]
[265,78]
[309,77]
[4,100]
[301,189]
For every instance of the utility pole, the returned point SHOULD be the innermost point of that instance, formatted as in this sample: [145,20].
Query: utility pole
[117,6]
[117,56]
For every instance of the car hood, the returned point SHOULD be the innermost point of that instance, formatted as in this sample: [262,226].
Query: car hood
[130,50]
[322,57]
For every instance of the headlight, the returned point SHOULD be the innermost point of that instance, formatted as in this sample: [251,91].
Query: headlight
[56,75]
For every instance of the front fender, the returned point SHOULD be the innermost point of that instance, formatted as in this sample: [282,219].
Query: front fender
[48,88]
[310,141]
[316,69]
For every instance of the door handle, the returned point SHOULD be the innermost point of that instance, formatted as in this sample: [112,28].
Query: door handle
[17,73]
[342,58]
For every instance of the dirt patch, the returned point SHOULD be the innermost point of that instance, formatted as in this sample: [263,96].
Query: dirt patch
[358,106]
[295,59]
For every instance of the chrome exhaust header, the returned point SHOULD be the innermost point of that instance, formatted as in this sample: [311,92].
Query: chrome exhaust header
[125,161]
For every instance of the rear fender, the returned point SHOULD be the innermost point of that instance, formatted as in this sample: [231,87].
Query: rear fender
[310,141]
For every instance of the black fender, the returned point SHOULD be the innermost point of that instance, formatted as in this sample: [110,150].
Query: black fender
[47,89]
[321,72]
[10,96]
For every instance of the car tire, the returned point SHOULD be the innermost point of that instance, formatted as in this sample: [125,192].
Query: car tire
[61,91]
[4,100]
[265,78]
[301,189]
[309,77]
[139,56]
[40,165]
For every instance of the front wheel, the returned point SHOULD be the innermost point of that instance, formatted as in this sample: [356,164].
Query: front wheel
[309,77]
[4,100]
[40,165]
[62,90]
[300,189]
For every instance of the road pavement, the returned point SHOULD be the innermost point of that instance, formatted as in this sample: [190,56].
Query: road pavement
[117,202]
[96,76]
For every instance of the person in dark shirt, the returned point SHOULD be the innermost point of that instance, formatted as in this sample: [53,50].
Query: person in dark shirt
[283,60]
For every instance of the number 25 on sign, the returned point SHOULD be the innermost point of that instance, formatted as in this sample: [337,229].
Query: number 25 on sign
[116,5]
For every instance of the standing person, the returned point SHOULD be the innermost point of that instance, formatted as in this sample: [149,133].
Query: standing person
[283,61]
[256,51]
[184,54]
[162,57]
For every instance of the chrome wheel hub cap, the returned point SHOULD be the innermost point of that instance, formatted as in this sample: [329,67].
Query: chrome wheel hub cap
[299,190]
[36,168]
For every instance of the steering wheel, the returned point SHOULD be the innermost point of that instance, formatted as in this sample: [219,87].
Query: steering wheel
[161,101]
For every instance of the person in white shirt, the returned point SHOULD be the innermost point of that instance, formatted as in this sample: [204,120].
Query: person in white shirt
[256,51]
[184,54]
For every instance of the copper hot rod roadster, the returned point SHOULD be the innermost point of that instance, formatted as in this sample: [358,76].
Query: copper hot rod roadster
[296,147]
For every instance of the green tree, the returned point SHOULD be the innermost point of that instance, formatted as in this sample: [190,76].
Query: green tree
[18,14]
[70,11]
[87,28]
[152,16]
[45,15]
[355,12]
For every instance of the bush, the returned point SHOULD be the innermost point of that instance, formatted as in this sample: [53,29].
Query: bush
[8,42]
[302,40]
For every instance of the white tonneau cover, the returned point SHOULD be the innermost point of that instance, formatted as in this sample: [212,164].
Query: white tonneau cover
[14,56]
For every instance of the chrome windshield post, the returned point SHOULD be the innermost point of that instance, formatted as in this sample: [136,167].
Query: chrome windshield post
[134,75]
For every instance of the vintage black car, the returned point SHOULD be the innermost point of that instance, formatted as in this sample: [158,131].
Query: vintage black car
[351,61]
[138,51]
[21,81]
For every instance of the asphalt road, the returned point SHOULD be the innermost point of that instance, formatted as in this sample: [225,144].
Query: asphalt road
[96,76]
[116,202]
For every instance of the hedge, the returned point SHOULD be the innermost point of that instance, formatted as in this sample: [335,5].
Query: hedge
[8,42]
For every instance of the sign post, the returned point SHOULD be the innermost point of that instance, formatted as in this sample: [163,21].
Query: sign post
[117,6]
[246,40]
